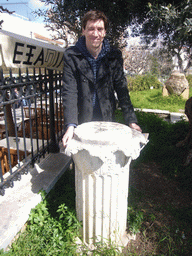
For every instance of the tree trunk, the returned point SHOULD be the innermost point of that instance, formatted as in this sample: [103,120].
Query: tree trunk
[180,62]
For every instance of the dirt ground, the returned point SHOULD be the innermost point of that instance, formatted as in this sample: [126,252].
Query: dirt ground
[167,224]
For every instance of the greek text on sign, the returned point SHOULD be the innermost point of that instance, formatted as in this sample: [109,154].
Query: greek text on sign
[21,52]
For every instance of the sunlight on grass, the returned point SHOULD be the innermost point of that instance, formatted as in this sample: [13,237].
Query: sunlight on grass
[153,99]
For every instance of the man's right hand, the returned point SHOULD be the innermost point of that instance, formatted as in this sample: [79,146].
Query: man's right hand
[68,135]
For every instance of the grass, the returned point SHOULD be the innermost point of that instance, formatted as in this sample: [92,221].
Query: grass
[165,228]
[162,228]
[52,226]
[153,99]
[163,137]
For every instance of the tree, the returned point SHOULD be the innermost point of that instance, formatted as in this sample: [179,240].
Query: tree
[4,10]
[173,24]
[64,16]
[141,59]
[160,63]
[136,59]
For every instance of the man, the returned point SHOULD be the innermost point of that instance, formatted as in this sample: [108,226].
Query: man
[93,71]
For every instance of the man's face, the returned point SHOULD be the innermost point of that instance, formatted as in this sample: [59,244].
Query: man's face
[94,33]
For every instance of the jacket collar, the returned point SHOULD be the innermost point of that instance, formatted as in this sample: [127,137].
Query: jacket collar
[81,45]
[84,65]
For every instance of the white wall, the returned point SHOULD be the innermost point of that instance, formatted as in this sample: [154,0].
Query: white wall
[23,26]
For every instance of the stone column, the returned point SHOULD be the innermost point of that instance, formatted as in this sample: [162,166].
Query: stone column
[102,152]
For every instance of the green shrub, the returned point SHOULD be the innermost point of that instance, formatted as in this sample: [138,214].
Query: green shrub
[189,78]
[46,235]
[161,148]
[135,220]
[143,82]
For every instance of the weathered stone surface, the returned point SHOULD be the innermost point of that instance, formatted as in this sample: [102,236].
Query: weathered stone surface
[176,83]
[103,138]
[102,152]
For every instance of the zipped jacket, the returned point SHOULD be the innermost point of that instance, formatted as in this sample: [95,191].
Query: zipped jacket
[79,86]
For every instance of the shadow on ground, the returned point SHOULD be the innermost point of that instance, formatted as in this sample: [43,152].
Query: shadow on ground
[167,211]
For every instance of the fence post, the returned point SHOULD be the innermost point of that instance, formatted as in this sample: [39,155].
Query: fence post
[53,146]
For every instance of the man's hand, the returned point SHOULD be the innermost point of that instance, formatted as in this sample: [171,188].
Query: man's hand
[68,135]
[135,126]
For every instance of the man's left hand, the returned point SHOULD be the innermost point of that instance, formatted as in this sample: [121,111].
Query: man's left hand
[135,126]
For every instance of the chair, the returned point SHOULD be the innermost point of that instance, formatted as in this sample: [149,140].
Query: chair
[59,118]
[41,112]
[3,167]
[20,132]
[2,131]
[27,113]
[14,158]
[37,116]
[59,125]
[43,132]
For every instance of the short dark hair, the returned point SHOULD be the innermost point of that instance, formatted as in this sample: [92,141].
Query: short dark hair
[94,15]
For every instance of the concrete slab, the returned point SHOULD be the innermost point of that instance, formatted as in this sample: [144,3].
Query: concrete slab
[172,117]
[16,204]
[155,111]
[175,117]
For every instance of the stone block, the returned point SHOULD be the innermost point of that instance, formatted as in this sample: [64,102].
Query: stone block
[176,84]
[185,94]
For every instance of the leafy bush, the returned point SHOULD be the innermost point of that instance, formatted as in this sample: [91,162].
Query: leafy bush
[143,82]
[189,78]
[52,225]
[135,220]
[163,137]
[161,148]
[46,235]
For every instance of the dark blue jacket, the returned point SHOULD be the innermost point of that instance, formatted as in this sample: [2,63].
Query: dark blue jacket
[78,88]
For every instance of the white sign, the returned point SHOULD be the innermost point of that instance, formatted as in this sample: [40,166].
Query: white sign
[21,52]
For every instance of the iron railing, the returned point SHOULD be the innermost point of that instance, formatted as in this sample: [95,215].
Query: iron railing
[31,120]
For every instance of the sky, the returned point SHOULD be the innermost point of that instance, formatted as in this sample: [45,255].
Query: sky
[24,8]
[23,21]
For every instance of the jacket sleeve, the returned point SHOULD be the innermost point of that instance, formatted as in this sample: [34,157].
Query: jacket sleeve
[120,86]
[69,92]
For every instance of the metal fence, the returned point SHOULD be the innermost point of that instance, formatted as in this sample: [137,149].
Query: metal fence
[31,120]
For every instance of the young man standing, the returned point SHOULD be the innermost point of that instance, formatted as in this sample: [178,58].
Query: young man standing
[93,71]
